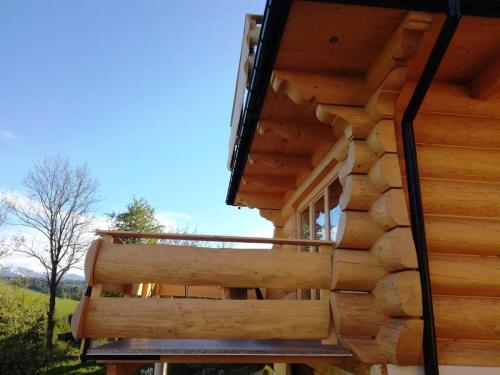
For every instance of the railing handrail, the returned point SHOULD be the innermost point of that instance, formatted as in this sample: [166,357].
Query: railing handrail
[214,238]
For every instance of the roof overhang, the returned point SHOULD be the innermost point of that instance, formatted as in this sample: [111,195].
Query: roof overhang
[279,27]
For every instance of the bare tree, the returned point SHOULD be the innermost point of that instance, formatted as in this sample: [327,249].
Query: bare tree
[4,249]
[59,206]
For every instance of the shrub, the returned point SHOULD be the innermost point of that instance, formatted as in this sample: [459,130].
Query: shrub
[22,337]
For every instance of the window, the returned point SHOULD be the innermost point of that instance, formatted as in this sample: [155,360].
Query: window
[334,190]
[318,220]
[320,232]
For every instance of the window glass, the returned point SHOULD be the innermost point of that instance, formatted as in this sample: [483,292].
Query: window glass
[334,191]
[304,229]
[305,233]
[319,217]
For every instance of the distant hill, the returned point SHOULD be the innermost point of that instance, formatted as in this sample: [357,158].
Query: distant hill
[17,271]
[71,287]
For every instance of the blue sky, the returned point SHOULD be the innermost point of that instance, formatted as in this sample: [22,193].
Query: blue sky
[140,90]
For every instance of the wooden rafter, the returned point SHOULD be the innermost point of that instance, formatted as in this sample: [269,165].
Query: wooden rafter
[401,47]
[338,116]
[289,131]
[303,88]
[259,200]
[270,182]
[278,160]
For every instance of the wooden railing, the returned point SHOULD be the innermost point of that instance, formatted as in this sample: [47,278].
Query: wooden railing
[214,238]
[111,262]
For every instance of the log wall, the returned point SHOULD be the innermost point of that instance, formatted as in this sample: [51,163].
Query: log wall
[376,299]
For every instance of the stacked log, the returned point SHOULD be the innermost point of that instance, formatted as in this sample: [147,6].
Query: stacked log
[376,299]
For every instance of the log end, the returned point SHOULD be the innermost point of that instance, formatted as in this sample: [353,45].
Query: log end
[78,318]
[90,260]
[401,341]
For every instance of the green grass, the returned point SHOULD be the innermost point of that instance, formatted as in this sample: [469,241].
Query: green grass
[28,297]
[74,367]
[64,307]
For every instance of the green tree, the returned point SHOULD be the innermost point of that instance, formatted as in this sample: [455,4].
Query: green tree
[22,336]
[139,217]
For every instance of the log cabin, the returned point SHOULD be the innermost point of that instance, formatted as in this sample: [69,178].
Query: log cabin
[368,134]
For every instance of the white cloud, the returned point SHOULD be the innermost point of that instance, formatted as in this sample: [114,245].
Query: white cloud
[262,232]
[173,219]
[7,135]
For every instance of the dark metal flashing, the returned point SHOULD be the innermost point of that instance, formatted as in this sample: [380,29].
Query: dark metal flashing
[273,24]
[414,194]
[479,8]
[155,349]
[123,357]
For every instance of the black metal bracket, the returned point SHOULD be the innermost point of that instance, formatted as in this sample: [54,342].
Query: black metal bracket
[86,346]
[414,193]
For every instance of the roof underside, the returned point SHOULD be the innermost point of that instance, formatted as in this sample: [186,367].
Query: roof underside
[359,34]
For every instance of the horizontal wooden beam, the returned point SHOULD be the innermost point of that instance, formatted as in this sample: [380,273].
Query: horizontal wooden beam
[169,290]
[271,200]
[183,265]
[451,274]
[452,99]
[213,238]
[270,182]
[460,198]
[468,130]
[455,235]
[276,160]
[162,318]
[458,163]
[302,88]
[401,343]
[357,314]
[297,131]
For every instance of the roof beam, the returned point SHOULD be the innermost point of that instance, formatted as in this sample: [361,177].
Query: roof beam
[339,117]
[276,160]
[302,88]
[402,46]
[487,82]
[270,182]
[292,131]
[259,200]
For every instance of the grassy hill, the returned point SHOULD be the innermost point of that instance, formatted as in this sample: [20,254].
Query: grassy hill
[64,307]
[71,364]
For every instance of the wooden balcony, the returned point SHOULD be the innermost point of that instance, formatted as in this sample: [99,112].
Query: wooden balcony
[139,268]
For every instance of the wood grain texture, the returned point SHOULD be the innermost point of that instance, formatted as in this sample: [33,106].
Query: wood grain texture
[357,230]
[356,314]
[355,270]
[385,173]
[389,210]
[230,319]
[461,235]
[182,265]
[358,193]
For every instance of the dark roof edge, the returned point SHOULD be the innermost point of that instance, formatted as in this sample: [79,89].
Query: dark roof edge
[479,8]
[273,24]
